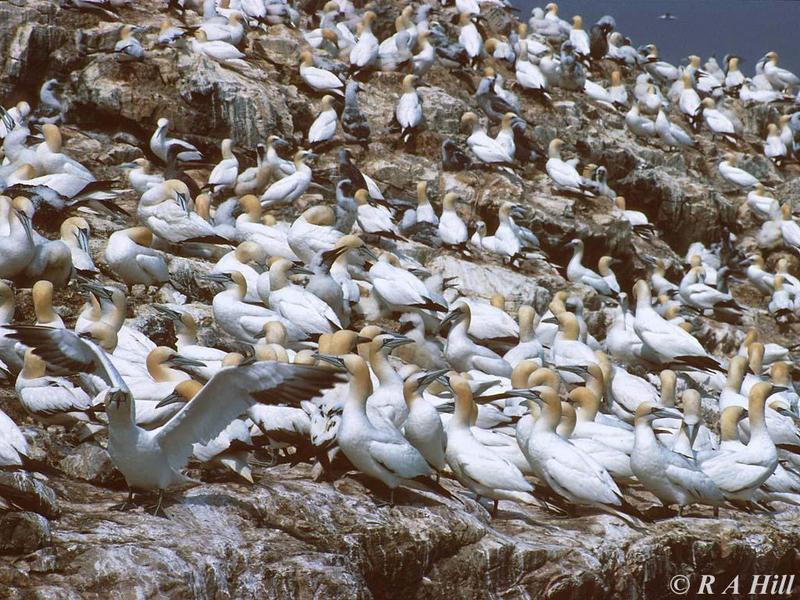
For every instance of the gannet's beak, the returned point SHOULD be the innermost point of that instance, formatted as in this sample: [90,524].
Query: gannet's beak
[691,430]
[550,321]
[173,398]
[300,270]
[173,315]
[452,317]
[183,202]
[396,342]
[26,223]
[179,362]
[430,377]
[787,413]
[83,239]
[98,290]
[331,360]
[666,413]
[368,253]
[579,370]
[216,277]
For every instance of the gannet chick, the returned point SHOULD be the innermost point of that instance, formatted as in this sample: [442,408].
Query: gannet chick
[378,451]
[354,124]
[160,144]
[452,230]
[670,476]
[290,188]
[324,126]
[75,234]
[462,353]
[318,79]
[475,466]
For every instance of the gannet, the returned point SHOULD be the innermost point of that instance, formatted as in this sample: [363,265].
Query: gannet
[240,260]
[717,122]
[571,73]
[241,320]
[75,234]
[128,48]
[737,469]
[474,465]
[164,209]
[152,460]
[671,134]
[462,353]
[659,69]
[290,188]
[774,148]
[762,203]
[297,305]
[318,79]
[424,212]
[490,324]
[577,273]
[224,174]
[218,50]
[639,125]
[528,74]
[578,37]
[254,180]
[452,230]
[563,174]
[735,175]
[51,158]
[129,255]
[400,289]
[408,112]
[51,400]
[486,148]
[251,226]
[663,342]
[469,37]
[140,176]
[365,51]
[324,126]
[780,78]
[378,451]
[229,30]
[14,449]
[186,342]
[160,144]
[16,239]
[423,426]
[313,231]
[568,470]
[670,476]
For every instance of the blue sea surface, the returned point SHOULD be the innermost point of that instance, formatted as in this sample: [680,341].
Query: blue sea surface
[747,28]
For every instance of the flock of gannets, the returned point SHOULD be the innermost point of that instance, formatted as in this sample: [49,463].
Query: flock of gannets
[534,409]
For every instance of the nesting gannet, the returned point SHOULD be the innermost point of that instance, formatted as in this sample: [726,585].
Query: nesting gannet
[462,353]
[16,239]
[528,75]
[152,460]
[164,209]
[240,260]
[254,180]
[452,230]
[313,231]
[365,51]
[218,50]
[14,449]
[160,144]
[562,173]
[408,112]
[638,124]
[400,289]
[578,37]
[52,400]
[224,174]
[779,77]
[671,134]
[378,451]
[762,203]
[318,79]
[664,342]
[423,426]
[739,470]
[735,175]
[290,188]
[476,466]
[577,273]
[568,470]
[75,234]
[670,476]
[128,48]
[129,255]
[774,148]
[141,176]
[486,148]
[186,342]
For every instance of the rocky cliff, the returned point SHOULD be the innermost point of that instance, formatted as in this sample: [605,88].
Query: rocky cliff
[289,536]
